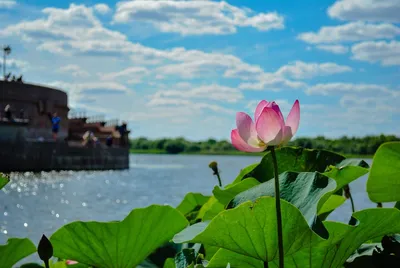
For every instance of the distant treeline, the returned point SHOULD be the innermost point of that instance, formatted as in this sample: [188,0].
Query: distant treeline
[345,145]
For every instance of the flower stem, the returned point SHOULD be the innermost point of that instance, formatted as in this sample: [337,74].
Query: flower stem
[266,264]
[348,195]
[278,209]
[219,179]
[352,204]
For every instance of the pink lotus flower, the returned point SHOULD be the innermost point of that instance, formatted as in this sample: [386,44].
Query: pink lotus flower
[70,262]
[269,128]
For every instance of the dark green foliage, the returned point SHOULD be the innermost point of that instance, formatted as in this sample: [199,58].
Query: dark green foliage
[291,159]
[174,147]
[345,145]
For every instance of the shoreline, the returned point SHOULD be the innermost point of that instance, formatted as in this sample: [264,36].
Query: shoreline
[233,153]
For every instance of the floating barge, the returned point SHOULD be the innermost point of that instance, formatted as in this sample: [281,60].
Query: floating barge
[27,144]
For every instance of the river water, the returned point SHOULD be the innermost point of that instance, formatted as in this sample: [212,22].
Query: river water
[35,204]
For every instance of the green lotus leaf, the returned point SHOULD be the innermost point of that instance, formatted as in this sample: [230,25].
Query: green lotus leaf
[210,209]
[15,250]
[345,239]
[224,256]
[224,196]
[248,231]
[118,244]
[291,159]
[332,203]
[383,183]
[191,202]
[303,190]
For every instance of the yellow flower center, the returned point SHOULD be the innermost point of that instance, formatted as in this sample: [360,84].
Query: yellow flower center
[261,143]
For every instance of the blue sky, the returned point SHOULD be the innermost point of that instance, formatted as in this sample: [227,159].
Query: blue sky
[184,68]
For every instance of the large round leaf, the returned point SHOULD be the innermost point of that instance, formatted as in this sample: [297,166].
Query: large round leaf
[303,190]
[225,195]
[333,202]
[345,239]
[118,244]
[383,183]
[224,256]
[344,173]
[291,159]
[15,250]
[347,171]
[210,209]
[250,229]
[191,202]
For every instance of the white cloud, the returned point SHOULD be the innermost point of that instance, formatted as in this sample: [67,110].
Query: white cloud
[13,64]
[66,30]
[188,104]
[339,88]
[74,70]
[194,63]
[297,70]
[368,10]
[76,31]
[211,92]
[336,49]
[350,32]
[383,103]
[244,71]
[133,74]
[195,17]
[102,8]
[7,4]
[303,70]
[78,92]
[387,53]
[271,82]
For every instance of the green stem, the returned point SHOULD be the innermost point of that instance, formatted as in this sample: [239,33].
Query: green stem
[352,204]
[278,209]
[265,264]
[348,195]
[219,179]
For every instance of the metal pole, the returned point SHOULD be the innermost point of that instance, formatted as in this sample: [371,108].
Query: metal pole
[4,65]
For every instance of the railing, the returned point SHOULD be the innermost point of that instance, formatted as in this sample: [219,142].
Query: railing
[96,119]
[112,122]
[74,114]
[77,115]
